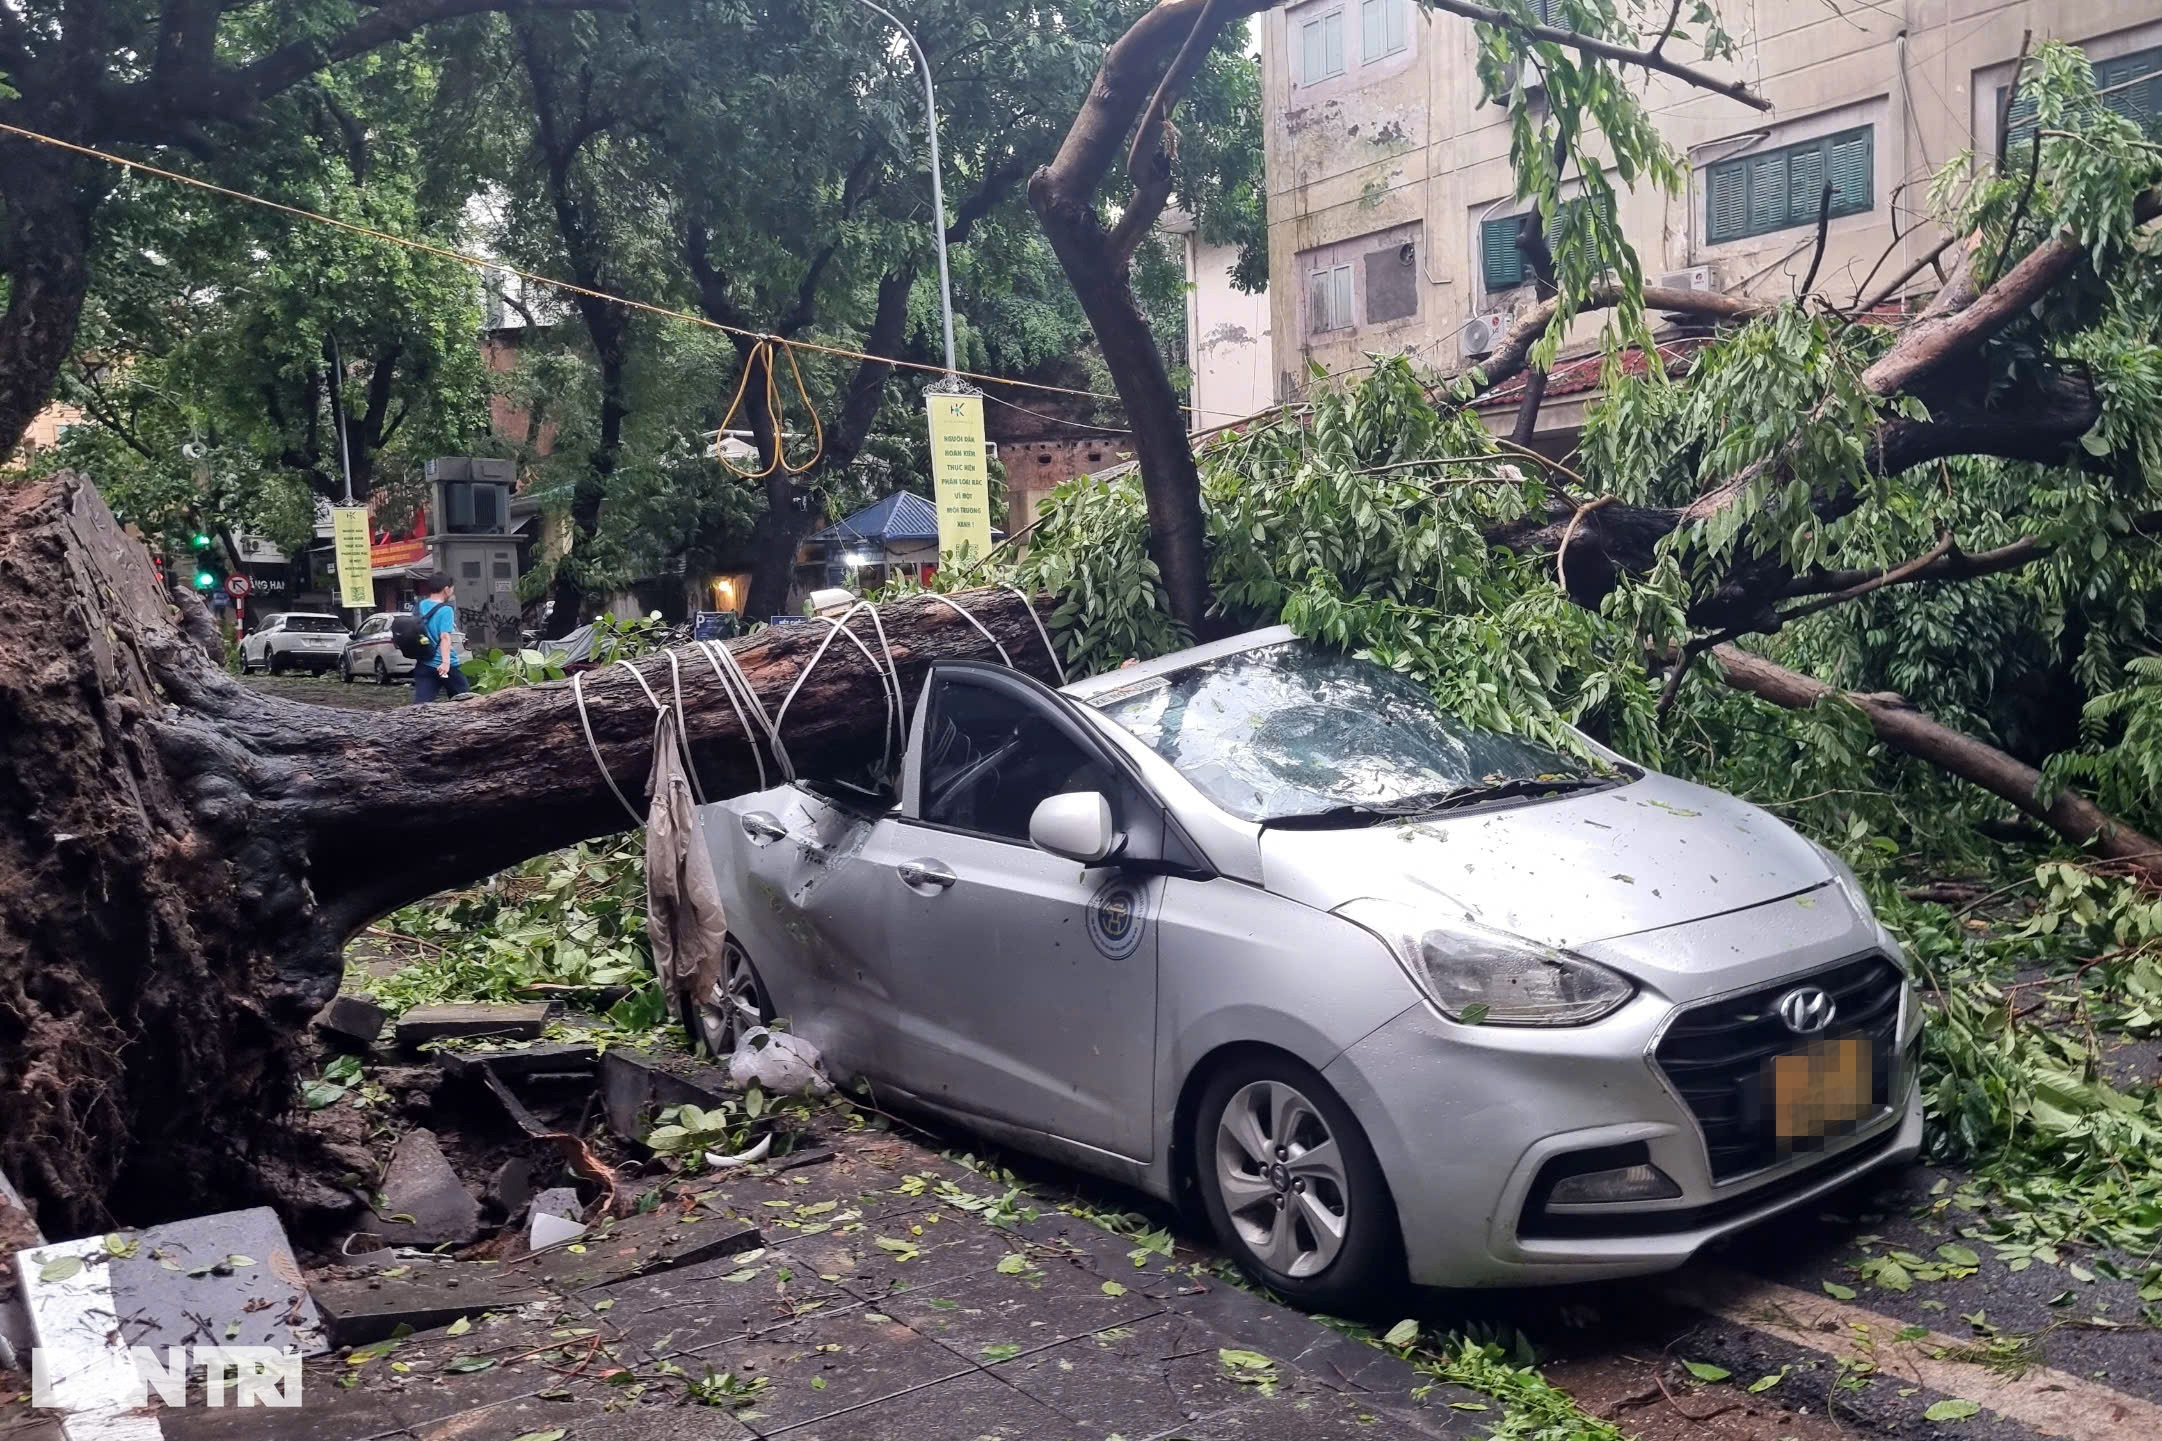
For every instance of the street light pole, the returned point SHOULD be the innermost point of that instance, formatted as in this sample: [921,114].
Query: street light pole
[938,190]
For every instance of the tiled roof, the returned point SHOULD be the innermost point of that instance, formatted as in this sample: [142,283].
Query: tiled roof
[901,516]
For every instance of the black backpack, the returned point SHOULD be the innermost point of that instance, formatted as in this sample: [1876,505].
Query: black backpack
[409,633]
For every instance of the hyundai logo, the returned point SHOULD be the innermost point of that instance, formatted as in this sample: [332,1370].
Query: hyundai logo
[1807,1009]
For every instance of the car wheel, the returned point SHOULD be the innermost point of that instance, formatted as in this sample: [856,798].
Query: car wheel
[245,668]
[1292,1187]
[345,671]
[382,672]
[737,1002]
[275,662]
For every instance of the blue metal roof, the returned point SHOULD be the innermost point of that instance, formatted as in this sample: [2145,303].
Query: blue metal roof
[902,516]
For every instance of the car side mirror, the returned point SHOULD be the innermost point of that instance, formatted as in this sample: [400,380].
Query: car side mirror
[1076,825]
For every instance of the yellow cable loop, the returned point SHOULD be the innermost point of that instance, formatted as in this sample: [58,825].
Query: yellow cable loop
[762,352]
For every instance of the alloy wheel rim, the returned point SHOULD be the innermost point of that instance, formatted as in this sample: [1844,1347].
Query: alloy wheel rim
[731,1006]
[1281,1176]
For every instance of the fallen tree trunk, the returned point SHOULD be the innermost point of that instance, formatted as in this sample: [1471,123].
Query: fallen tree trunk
[182,857]
[1900,725]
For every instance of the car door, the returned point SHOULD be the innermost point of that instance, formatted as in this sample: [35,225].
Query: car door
[1023,984]
[264,638]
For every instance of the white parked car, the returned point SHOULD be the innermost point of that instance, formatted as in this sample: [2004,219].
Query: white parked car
[296,638]
[372,653]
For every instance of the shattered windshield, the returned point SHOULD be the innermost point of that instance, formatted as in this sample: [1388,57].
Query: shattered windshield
[1291,730]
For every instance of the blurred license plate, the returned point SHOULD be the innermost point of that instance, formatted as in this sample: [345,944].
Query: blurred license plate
[1823,1090]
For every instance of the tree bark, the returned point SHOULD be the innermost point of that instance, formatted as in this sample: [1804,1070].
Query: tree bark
[182,857]
[1900,725]
[44,249]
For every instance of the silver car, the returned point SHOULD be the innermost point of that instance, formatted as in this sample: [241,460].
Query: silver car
[1259,927]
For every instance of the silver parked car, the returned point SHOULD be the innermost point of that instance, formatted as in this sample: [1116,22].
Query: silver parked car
[372,653]
[1259,925]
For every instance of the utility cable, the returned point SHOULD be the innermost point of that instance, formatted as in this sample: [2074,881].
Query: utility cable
[481,262]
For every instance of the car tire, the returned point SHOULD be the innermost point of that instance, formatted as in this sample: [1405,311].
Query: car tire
[345,671]
[382,672]
[1322,1233]
[737,1003]
[274,662]
[245,668]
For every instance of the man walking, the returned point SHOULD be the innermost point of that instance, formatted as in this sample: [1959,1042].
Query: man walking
[436,676]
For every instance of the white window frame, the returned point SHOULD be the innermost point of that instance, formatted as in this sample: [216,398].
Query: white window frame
[1329,287]
[1388,24]
[1317,29]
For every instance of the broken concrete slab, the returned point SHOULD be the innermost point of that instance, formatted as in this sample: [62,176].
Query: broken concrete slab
[361,1309]
[519,1020]
[423,1203]
[514,1062]
[637,1246]
[356,1021]
[634,1086]
[509,1188]
[227,1280]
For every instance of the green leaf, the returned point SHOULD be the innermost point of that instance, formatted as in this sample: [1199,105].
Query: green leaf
[1403,1333]
[1013,1263]
[1237,1360]
[1765,1383]
[1958,1255]
[459,1327]
[467,1364]
[1952,1409]
[1002,1351]
[1706,1371]
[1474,1014]
[1113,1288]
[60,1268]
[1838,1292]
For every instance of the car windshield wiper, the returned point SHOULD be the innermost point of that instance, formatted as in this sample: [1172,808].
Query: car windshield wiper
[1459,796]
[1426,803]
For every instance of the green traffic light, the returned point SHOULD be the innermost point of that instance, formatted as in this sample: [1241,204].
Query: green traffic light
[204,580]
[199,540]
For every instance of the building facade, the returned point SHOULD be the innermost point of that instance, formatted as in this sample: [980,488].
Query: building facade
[1230,334]
[1392,222]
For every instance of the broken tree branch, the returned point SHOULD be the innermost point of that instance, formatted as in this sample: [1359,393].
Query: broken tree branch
[1903,727]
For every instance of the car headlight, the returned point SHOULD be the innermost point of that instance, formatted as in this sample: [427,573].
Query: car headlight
[1483,977]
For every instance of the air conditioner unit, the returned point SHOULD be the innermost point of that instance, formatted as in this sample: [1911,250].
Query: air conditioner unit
[1484,333]
[1697,277]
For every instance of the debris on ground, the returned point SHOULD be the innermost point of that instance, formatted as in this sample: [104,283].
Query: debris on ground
[556,1219]
[423,1202]
[355,1020]
[778,1063]
[634,1086]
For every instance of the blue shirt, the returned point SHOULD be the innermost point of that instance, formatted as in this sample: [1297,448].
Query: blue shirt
[437,620]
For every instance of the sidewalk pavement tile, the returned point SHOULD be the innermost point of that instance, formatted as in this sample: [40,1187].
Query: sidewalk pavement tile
[1027,1311]
[428,1388]
[586,1419]
[943,1245]
[827,1364]
[1137,1380]
[973,1405]
[327,1412]
[696,1306]
[1305,1414]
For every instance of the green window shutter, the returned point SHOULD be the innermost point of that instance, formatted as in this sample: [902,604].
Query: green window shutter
[1805,183]
[1726,201]
[1768,192]
[2134,83]
[2019,129]
[1501,264]
[1854,172]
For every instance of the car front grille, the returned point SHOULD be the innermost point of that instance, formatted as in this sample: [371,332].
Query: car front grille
[1715,1056]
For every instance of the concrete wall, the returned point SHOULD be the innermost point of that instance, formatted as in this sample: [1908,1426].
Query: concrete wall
[1230,338]
[1395,162]
[1034,468]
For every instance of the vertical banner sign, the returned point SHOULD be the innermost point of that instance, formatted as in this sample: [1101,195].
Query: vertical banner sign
[960,473]
[349,533]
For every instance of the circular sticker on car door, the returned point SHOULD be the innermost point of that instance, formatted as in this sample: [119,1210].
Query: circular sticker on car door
[1117,914]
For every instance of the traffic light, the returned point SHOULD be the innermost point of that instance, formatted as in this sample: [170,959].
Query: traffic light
[204,580]
[199,540]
